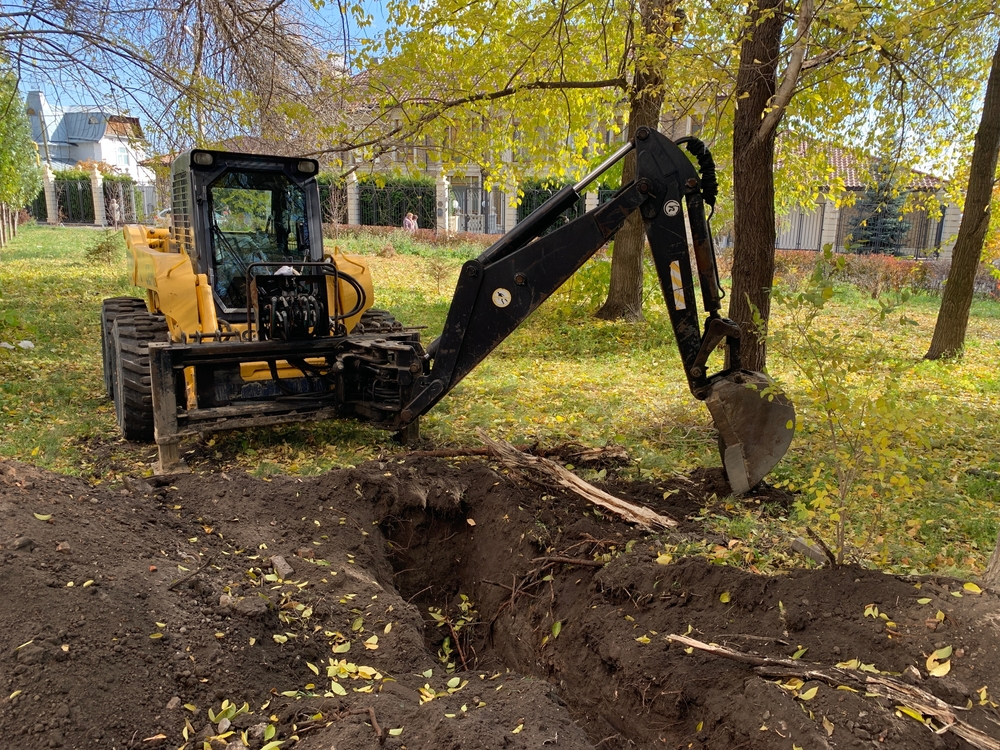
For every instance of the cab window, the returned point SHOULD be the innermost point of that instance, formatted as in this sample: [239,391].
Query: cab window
[255,217]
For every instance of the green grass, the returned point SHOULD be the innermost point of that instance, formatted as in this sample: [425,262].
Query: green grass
[563,376]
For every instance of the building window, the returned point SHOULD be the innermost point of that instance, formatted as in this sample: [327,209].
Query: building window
[122,156]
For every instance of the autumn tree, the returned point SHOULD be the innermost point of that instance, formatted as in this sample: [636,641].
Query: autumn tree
[20,174]
[892,77]
[953,317]
[659,20]
[204,69]
[541,81]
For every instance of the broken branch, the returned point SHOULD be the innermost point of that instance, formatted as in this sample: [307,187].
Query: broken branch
[513,458]
[881,685]
[192,574]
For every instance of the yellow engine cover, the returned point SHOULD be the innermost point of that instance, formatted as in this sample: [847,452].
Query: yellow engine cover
[357,267]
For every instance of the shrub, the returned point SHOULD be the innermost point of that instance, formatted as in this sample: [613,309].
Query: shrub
[72,175]
[875,274]
[793,267]
[106,248]
[371,239]
[864,429]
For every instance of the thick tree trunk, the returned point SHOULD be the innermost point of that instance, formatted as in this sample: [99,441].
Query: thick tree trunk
[624,300]
[753,177]
[953,317]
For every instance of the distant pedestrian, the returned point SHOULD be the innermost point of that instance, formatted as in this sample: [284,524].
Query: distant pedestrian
[410,222]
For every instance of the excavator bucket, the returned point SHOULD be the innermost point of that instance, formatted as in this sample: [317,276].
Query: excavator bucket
[755,426]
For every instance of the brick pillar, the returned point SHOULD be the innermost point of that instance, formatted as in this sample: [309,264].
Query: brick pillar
[97,190]
[590,200]
[51,203]
[442,195]
[353,200]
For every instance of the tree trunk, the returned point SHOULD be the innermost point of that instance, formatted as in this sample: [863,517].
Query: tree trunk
[753,177]
[953,317]
[624,300]
[992,575]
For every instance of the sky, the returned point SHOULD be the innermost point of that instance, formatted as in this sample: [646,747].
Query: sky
[66,88]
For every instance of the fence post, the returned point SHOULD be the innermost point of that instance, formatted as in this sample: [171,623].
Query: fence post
[591,200]
[442,196]
[831,223]
[51,202]
[97,190]
[353,200]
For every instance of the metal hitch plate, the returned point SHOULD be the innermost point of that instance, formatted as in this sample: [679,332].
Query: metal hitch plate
[755,427]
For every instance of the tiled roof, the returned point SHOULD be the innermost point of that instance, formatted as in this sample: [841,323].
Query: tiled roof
[855,168]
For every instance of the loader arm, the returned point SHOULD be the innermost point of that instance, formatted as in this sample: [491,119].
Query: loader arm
[498,290]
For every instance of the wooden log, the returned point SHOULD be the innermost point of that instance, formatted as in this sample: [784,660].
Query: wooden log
[513,458]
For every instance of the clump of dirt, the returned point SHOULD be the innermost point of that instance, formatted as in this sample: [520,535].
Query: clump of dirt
[422,603]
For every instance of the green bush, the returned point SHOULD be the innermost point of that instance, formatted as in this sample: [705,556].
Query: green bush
[106,248]
[72,175]
[865,429]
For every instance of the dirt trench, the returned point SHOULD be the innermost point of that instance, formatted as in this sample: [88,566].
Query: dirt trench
[176,606]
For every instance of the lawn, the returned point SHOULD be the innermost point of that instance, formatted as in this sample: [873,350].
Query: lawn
[929,478]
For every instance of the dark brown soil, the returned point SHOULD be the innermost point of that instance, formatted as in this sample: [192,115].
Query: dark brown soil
[132,612]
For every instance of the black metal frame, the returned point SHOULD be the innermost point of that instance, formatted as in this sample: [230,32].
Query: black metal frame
[524,271]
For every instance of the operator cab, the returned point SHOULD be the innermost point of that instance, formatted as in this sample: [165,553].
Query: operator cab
[241,210]
[256,217]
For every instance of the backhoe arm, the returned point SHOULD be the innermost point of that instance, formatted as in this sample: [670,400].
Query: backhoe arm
[504,285]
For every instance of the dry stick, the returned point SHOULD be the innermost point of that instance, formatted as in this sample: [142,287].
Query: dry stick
[513,458]
[458,646]
[570,561]
[886,687]
[371,716]
[192,574]
[822,545]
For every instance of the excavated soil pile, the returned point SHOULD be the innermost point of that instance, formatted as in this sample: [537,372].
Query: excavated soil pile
[159,615]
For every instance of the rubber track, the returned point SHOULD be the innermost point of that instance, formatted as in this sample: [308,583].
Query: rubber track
[110,309]
[133,393]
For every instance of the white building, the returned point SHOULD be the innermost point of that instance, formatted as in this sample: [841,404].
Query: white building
[68,135]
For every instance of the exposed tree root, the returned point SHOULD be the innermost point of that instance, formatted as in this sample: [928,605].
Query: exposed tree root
[912,697]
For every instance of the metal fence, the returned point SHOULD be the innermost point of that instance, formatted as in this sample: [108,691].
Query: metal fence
[37,209]
[147,199]
[535,197]
[333,201]
[386,206]
[120,204]
[921,239]
[75,201]
[605,194]
[801,230]
[476,210]
[924,235]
